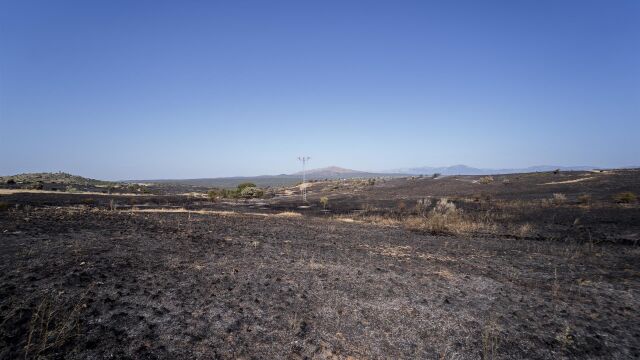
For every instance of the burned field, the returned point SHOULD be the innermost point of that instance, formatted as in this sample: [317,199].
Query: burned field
[169,277]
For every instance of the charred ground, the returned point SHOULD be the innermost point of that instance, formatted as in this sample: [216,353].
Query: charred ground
[147,276]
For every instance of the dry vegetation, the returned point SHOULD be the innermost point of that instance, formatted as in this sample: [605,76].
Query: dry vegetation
[53,323]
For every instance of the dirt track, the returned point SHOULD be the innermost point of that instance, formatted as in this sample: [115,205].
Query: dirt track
[158,285]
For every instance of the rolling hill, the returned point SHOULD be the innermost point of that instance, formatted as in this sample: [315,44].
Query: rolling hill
[331,172]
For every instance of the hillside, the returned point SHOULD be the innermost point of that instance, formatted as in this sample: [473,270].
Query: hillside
[331,172]
[52,178]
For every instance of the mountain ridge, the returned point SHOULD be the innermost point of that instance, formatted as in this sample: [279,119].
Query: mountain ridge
[461,169]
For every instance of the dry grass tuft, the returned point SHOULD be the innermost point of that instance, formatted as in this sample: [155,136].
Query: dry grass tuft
[584,199]
[559,199]
[445,218]
[490,341]
[523,230]
[626,197]
[52,325]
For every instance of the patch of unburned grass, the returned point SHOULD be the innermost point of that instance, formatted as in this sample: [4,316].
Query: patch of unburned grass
[445,218]
[289,214]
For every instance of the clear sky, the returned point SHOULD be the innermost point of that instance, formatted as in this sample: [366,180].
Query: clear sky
[180,89]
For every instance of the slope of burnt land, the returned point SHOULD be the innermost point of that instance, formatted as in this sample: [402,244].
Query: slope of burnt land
[599,186]
[81,283]
[571,206]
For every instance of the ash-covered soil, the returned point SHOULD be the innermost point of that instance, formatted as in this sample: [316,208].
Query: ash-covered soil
[566,206]
[86,283]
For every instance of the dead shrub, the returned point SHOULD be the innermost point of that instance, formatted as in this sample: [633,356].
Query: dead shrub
[584,199]
[422,205]
[523,231]
[443,206]
[626,197]
[559,199]
[445,218]
[401,206]
[486,180]
[324,201]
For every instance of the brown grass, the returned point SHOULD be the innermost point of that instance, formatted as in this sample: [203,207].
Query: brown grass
[52,325]
[626,197]
[453,224]
[444,218]
[559,199]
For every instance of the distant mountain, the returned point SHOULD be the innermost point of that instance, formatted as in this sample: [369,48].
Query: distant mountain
[467,170]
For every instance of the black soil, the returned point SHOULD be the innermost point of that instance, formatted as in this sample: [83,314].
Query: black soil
[78,283]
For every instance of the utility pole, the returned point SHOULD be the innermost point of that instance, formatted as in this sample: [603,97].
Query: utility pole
[303,187]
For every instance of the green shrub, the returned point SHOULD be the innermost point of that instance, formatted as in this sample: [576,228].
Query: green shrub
[213,194]
[232,194]
[246,185]
[249,192]
[4,206]
[626,197]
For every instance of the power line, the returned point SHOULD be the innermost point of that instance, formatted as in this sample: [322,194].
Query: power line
[303,187]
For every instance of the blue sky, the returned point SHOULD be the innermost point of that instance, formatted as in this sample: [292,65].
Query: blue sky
[182,89]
